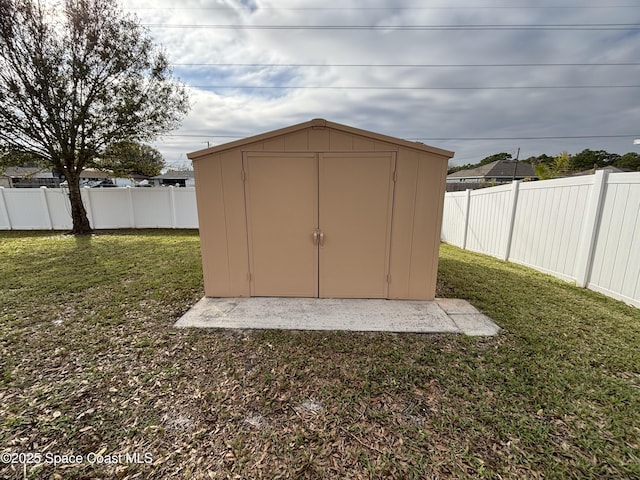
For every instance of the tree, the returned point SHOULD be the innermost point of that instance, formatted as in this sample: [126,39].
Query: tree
[559,166]
[76,78]
[562,163]
[495,157]
[588,159]
[126,158]
[629,160]
[484,161]
[543,158]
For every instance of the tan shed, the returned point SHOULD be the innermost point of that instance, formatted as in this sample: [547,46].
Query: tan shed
[323,210]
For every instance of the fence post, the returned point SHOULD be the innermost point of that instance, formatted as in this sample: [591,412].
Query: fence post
[515,190]
[132,214]
[587,243]
[5,209]
[467,206]
[172,202]
[45,206]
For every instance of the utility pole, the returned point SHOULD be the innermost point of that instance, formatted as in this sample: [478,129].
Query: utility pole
[516,167]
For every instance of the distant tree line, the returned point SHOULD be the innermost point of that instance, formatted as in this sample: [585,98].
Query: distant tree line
[547,166]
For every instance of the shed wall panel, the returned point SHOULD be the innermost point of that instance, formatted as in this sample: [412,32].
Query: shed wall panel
[424,257]
[275,145]
[362,144]
[438,183]
[297,142]
[340,142]
[213,235]
[402,227]
[319,140]
[236,225]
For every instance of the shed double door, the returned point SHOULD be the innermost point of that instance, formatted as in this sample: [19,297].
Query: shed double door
[319,224]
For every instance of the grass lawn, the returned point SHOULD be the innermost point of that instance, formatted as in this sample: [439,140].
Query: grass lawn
[91,366]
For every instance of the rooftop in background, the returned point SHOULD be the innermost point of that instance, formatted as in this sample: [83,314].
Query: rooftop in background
[500,171]
[24,172]
[177,178]
[608,169]
[175,175]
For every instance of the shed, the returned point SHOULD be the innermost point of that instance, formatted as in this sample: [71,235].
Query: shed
[320,209]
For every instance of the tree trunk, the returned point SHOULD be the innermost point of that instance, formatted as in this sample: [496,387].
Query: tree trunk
[81,224]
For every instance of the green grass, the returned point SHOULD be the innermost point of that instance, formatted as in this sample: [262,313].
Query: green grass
[89,362]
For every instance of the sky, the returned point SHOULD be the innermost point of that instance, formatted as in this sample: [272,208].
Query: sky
[477,77]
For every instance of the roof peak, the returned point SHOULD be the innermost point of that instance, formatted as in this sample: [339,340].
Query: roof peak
[318,123]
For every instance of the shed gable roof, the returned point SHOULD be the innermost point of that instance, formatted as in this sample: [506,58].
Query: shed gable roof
[318,123]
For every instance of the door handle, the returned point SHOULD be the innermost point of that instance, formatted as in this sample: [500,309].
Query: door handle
[318,237]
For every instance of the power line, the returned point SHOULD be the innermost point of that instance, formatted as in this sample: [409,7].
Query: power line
[413,65]
[470,7]
[553,137]
[478,27]
[362,87]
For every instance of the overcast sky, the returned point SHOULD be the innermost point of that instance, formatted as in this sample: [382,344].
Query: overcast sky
[454,83]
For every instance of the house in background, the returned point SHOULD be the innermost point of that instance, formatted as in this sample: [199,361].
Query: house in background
[29,177]
[608,169]
[491,174]
[180,178]
[35,177]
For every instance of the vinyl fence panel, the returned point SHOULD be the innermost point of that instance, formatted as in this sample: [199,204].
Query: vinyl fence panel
[5,221]
[107,208]
[616,264]
[186,210]
[59,209]
[548,223]
[25,209]
[488,226]
[454,218]
[584,229]
[152,208]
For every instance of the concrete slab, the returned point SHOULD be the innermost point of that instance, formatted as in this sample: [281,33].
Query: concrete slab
[475,324]
[337,314]
[456,305]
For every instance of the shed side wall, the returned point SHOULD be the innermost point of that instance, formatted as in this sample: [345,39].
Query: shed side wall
[439,185]
[213,235]
[424,264]
[402,225]
[223,234]
[416,225]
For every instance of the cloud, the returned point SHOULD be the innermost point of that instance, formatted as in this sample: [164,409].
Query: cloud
[421,113]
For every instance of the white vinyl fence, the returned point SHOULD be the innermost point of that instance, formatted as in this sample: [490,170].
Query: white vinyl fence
[121,207]
[582,229]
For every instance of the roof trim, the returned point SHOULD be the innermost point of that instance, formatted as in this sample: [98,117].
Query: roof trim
[318,123]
